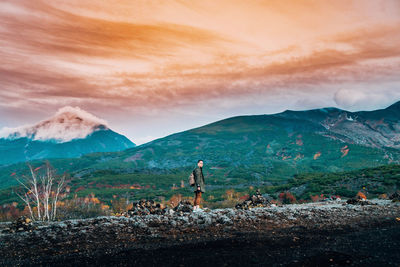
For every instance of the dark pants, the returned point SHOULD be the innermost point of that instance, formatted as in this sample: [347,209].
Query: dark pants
[197,198]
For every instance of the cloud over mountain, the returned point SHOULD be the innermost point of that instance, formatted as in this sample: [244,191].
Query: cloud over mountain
[67,124]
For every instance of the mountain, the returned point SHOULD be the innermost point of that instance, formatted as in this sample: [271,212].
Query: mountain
[70,133]
[319,139]
[251,150]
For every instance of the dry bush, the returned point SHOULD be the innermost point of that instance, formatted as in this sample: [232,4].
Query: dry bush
[287,198]
[361,195]
[383,196]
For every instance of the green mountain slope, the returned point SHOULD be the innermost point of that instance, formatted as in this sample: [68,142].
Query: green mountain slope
[260,149]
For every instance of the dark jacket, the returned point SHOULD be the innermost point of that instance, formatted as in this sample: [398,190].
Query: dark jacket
[199,179]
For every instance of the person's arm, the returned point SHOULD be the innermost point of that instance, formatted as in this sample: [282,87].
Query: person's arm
[202,176]
[197,177]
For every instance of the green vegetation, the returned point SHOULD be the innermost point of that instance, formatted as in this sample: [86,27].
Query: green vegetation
[374,181]
[104,191]
[106,184]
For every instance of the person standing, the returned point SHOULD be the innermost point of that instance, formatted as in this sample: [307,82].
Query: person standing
[199,185]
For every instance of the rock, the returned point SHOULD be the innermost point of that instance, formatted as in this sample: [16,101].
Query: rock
[170,212]
[253,201]
[113,235]
[22,224]
[145,207]
[359,201]
[224,220]
[184,206]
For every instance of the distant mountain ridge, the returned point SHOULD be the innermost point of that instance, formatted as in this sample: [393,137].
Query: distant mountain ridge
[378,128]
[71,132]
[280,144]
[262,149]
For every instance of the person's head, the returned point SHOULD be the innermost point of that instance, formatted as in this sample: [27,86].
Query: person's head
[200,163]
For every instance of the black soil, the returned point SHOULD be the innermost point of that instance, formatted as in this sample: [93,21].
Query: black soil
[341,235]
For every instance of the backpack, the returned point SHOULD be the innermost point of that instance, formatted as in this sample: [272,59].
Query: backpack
[191,179]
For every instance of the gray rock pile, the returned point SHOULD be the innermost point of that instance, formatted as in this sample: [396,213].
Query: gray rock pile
[256,200]
[22,224]
[359,201]
[145,207]
[184,206]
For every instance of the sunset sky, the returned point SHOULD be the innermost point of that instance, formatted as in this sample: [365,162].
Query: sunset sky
[153,68]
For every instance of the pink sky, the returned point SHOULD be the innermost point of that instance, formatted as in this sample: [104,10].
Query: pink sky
[153,68]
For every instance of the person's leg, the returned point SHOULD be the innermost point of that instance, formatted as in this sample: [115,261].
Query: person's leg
[199,199]
[196,201]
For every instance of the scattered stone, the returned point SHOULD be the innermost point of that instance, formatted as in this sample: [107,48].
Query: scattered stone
[96,237]
[253,201]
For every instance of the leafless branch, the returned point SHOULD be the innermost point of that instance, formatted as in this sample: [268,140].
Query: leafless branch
[42,192]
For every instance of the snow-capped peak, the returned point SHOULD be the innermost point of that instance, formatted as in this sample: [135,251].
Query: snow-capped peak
[67,124]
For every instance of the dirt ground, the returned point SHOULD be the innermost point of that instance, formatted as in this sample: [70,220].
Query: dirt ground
[330,235]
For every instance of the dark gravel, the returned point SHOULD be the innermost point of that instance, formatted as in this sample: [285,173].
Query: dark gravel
[320,234]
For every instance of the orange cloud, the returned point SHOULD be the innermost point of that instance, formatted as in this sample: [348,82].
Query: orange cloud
[145,56]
